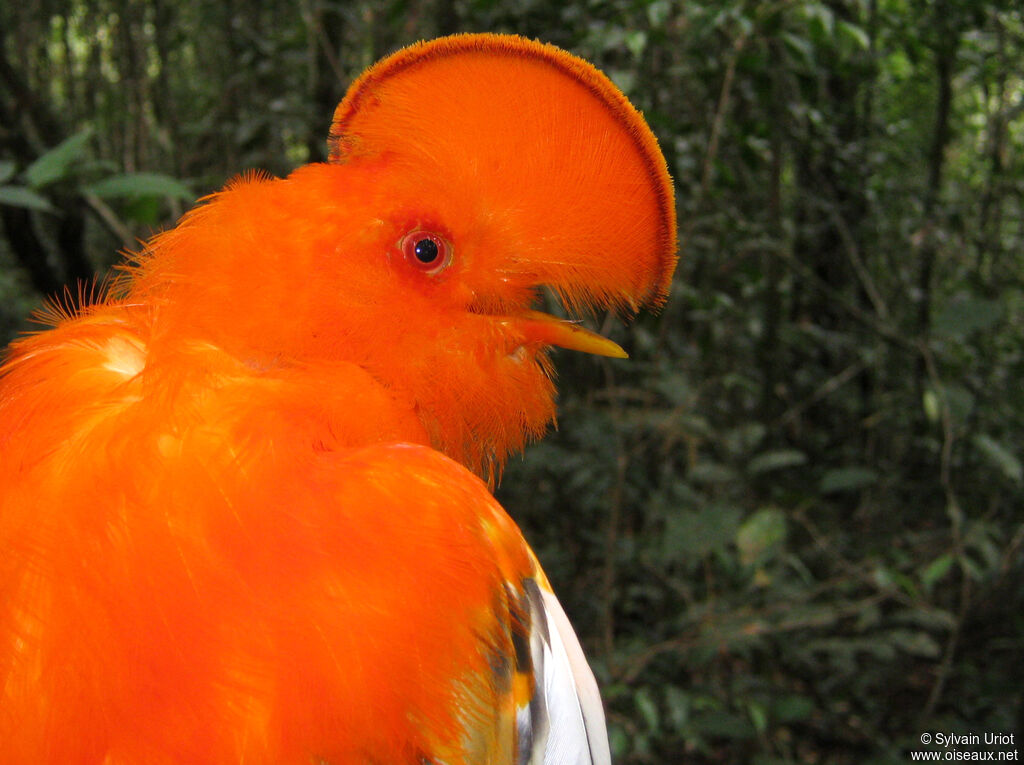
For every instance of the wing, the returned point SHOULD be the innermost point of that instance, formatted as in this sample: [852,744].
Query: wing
[563,721]
[221,577]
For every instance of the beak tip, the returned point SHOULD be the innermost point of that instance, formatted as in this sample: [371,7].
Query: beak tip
[550,330]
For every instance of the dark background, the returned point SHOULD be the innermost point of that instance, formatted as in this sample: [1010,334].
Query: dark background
[790,528]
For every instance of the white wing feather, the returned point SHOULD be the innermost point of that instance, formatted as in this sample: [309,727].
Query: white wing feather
[564,722]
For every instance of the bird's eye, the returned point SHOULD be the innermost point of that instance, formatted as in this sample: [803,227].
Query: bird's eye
[426,252]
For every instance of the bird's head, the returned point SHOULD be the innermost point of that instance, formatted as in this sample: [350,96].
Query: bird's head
[465,175]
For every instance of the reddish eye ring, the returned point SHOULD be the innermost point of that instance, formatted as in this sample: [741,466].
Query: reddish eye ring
[427,252]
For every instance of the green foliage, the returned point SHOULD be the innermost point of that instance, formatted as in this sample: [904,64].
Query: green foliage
[59,162]
[20,196]
[789,529]
[50,168]
[69,163]
[140,185]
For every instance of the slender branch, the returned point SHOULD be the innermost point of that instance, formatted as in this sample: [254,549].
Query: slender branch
[853,253]
[329,54]
[880,327]
[724,94]
[824,390]
[955,517]
[109,218]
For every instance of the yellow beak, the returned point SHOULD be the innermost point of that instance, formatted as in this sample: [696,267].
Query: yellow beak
[545,329]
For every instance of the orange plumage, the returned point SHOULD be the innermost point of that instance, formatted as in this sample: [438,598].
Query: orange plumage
[234,522]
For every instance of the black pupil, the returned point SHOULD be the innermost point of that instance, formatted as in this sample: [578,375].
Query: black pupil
[426,250]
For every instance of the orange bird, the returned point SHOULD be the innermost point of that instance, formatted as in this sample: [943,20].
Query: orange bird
[239,521]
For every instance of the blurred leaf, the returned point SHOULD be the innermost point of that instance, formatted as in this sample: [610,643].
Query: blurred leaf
[724,725]
[799,47]
[19,196]
[658,12]
[7,170]
[58,162]
[776,460]
[932,619]
[678,705]
[712,472]
[140,185]
[931,404]
[889,578]
[854,34]
[916,643]
[965,314]
[760,534]
[821,20]
[693,534]
[936,570]
[847,479]
[845,650]
[647,708]
[758,717]
[982,539]
[1000,457]
[636,41]
[792,708]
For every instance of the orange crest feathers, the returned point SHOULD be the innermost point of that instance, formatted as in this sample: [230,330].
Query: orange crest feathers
[544,141]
